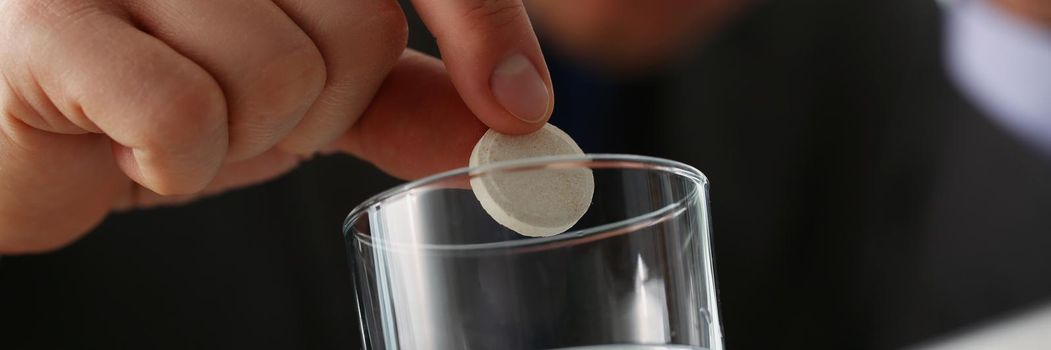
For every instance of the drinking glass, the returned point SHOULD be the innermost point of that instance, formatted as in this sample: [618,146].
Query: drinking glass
[433,270]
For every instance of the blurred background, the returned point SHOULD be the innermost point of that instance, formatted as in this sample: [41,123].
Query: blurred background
[866,193]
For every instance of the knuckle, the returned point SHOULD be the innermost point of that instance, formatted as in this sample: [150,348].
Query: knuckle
[289,81]
[289,76]
[495,13]
[47,12]
[385,32]
[395,28]
[199,101]
[28,9]
[307,64]
[391,36]
[185,107]
[382,31]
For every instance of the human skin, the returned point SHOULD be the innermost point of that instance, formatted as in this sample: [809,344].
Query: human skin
[637,36]
[1037,11]
[629,36]
[113,104]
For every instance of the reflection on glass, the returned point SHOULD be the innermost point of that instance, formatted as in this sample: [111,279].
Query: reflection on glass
[432,270]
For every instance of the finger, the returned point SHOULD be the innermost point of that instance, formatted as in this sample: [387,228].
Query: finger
[43,207]
[165,114]
[269,70]
[494,60]
[232,175]
[417,125]
[360,41]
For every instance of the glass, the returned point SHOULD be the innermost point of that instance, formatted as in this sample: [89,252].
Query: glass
[432,270]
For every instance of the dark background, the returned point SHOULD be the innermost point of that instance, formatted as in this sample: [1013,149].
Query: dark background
[859,202]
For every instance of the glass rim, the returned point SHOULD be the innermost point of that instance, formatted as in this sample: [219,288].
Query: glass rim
[617,161]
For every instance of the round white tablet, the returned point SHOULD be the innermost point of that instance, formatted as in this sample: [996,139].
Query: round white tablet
[535,203]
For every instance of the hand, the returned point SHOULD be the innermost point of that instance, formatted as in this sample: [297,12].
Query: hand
[1036,11]
[630,36]
[112,104]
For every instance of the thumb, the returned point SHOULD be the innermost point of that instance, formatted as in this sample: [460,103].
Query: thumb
[494,60]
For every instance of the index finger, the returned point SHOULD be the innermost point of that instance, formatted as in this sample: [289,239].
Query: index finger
[494,60]
[416,125]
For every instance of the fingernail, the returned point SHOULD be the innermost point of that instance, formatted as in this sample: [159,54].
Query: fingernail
[518,86]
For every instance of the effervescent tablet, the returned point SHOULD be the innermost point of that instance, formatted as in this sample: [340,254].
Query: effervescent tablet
[537,202]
